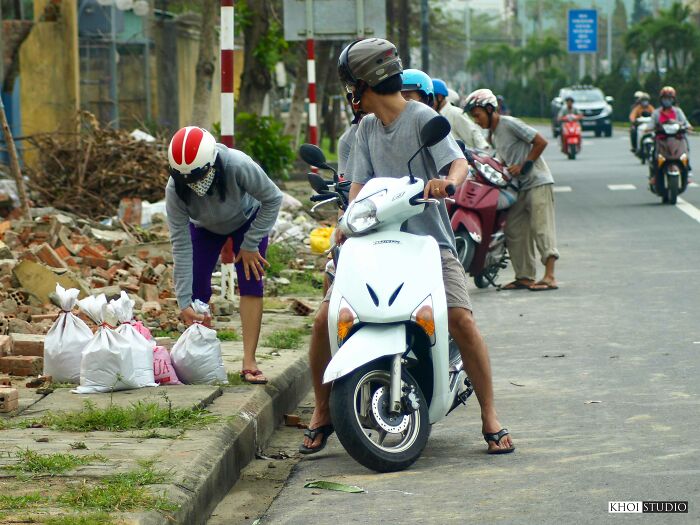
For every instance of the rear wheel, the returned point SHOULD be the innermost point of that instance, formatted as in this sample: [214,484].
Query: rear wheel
[572,151]
[672,190]
[466,248]
[372,436]
[598,133]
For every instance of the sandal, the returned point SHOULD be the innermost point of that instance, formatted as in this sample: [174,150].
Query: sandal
[542,286]
[515,285]
[496,438]
[326,431]
[257,380]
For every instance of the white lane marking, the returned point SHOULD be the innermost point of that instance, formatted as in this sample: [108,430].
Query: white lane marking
[562,189]
[687,208]
[694,185]
[621,187]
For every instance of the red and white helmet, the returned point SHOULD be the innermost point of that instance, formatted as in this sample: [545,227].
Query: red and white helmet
[191,154]
[481,98]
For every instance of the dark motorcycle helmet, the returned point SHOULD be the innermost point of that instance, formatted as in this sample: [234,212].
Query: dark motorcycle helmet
[371,60]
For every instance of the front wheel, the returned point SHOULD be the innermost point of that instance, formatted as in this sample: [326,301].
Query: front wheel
[572,151]
[374,437]
[608,131]
[466,248]
[672,190]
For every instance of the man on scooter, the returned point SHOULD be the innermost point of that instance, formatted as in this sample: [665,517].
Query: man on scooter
[463,127]
[531,218]
[669,111]
[567,109]
[642,108]
[370,70]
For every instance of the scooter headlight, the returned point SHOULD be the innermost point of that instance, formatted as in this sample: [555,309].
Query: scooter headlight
[684,159]
[347,318]
[362,215]
[424,317]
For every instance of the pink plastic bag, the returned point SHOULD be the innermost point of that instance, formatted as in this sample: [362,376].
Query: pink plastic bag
[142,329]
[163,369]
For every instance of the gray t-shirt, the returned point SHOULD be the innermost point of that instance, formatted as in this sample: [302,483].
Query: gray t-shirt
[345,142]
[383,151]
[248,189]
[512,140]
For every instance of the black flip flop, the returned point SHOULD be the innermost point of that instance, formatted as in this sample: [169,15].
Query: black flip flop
[496,438]
[312,433]
[514,285]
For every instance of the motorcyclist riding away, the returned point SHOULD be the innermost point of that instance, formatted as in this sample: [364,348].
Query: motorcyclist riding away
[642,108]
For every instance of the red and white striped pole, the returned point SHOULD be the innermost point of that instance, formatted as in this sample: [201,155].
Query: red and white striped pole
[311,72]
[311,76]
[227,114]
[228,271]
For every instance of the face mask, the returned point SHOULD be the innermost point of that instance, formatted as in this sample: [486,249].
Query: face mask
[201,187]
[666,102]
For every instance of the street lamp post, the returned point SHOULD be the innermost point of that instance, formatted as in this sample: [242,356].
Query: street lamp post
[468,44]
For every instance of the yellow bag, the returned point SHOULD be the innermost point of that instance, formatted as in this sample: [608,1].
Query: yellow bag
[321,239]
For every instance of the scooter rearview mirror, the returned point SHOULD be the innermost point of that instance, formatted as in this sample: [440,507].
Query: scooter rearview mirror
[313,156]
[436,129]
[317,183]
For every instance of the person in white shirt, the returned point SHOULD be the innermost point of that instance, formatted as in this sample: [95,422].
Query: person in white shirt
[463,128]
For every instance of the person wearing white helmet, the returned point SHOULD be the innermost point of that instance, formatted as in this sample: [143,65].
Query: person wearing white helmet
[463,127]
[214,194]
[385,139]
[531,218]
[642,108]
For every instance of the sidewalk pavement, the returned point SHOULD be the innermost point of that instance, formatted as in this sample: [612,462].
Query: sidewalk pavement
[200,465]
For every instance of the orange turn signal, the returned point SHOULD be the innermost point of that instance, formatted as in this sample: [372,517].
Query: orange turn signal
[346,320]
[425,319]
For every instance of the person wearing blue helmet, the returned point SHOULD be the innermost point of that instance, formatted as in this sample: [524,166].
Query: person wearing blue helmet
[462,127]
[417,86]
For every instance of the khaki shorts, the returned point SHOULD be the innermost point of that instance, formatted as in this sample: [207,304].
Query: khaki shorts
[453,277]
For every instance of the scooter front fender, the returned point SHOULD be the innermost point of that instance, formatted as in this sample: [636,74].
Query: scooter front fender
[364,346]
[470,221]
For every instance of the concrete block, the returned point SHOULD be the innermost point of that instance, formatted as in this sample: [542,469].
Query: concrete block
[28,344]
[41,281]
[5,345]
[5,252]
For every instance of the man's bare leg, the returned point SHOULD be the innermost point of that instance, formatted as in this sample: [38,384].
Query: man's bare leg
[475,357]
[319,357]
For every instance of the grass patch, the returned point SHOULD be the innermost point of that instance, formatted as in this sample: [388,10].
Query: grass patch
[173,334]
[235,379]
[304,283]
[91,518]
[20,502]
[33,463]
[62,385]
[279,256]
[228,335]
[290,338]
[138,416]
[121,492]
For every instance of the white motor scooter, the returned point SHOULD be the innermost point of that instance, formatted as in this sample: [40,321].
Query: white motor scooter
[394,369]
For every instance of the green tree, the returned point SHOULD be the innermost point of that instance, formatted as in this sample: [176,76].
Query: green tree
[640,11]
[619,29]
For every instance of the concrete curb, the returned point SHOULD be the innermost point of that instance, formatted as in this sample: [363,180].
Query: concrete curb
[211,465]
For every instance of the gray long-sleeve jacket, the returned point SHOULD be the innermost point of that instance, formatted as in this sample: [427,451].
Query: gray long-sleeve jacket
[247,189]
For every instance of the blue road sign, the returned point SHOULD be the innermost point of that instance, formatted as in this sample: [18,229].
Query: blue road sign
[583,31]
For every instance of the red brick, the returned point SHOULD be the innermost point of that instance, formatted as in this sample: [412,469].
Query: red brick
[95,262]
[64,254]
[21,365]
[89,251]
[48,256]
[27,344]
[9,399]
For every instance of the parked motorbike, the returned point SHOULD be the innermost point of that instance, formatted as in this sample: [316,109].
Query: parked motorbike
[478,217]
[334,191]
[570,135]
[668,174]
[393,370]
[645,138]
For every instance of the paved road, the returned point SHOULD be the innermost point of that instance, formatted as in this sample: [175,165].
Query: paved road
[613,419]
